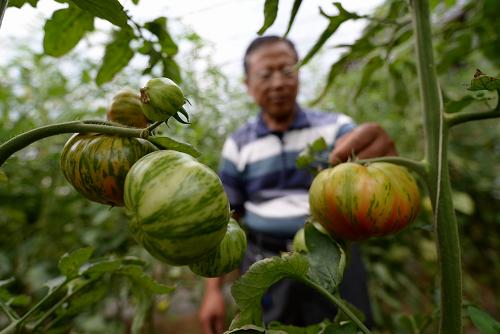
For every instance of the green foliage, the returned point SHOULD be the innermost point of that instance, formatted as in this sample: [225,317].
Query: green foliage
[74,22]
[270,14]
[110,10]
[483,321]
[167,143]
[311,269]
[116,56]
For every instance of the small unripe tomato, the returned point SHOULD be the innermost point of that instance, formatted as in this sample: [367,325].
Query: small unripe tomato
[162,99]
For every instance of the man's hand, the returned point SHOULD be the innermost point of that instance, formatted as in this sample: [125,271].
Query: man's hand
[369,140]
[213,312]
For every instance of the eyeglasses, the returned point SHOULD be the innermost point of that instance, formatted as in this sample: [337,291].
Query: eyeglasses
[286,72]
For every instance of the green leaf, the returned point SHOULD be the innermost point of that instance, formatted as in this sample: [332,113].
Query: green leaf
[117,55]
[249,288]
[320,246]
[455,106]
[335,69]
[166,143]
[483,82]
[171,69]
[304,159]
[70,263]
[159,28]
[20,3]
[484,322]
[20,300]
[64,30]
[110,10]
[398,87]
[293,14]
[143,281]
[335,22]
[101,267]
[270,14]
[252,329]
[318,145]
[371,66]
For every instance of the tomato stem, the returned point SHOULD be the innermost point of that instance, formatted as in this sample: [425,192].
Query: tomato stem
[340,304]
[438,181]
[419,167]
[23,140]
[465,116]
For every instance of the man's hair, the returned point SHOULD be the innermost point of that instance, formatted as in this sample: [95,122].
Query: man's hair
[261,41]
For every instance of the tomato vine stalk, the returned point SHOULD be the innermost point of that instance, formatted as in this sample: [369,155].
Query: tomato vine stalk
[438,180]
[21,141]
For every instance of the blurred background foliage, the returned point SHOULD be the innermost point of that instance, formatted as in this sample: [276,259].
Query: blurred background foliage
[42,216]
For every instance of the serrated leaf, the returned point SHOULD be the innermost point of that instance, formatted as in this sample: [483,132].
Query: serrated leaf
[320,246]
[64,30]
[249,288]
[70,263]
[143,281]
[371,66]
[110,10]
[482,81]
[159,28]
[89,295]
[293,14]
[116,56]
[484,322]
[335,22]
[20,3]
[270,14]
[167,143]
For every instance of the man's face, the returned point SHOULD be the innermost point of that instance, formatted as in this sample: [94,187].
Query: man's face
[272,79]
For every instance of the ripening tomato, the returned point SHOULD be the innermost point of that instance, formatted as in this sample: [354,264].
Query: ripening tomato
[356,202]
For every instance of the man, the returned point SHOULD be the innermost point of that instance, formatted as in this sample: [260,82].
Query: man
[270,194]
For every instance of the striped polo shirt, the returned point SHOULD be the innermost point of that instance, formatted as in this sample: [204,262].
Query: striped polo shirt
[259,174]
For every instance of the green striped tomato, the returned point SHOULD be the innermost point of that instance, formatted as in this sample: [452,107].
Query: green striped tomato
[226,257]
[96,164]
[126,109]
[355,202]
[177,206]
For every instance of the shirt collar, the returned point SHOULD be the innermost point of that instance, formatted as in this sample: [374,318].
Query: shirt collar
[299,122]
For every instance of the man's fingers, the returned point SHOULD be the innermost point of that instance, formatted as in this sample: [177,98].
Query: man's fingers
[369,140]
[380,147]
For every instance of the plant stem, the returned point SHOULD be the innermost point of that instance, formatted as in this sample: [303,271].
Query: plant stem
[465,116]
[21,141]
[416,166]
[435,130]
[11,314]
[340,304]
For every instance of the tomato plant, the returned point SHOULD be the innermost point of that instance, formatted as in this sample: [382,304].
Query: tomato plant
[355,202]
[177,206]
[96,164]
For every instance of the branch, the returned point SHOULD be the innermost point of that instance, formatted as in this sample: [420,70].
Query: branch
[467,116]
[416,166]
[11,314]
[21,141]
[339,303]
